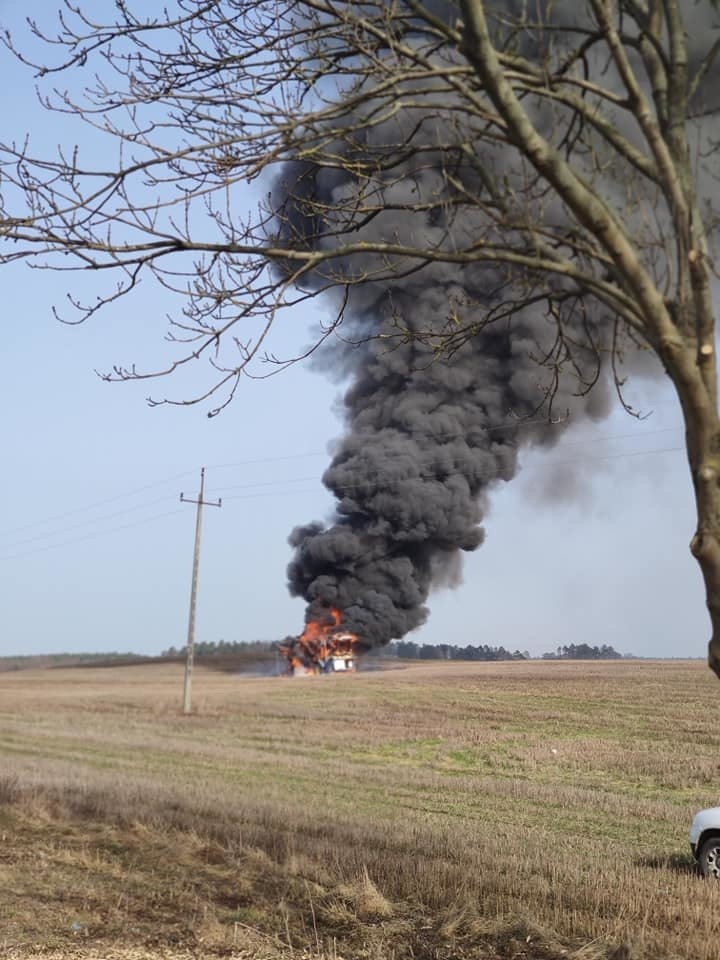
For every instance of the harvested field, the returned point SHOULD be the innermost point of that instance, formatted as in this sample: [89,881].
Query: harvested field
[535,810]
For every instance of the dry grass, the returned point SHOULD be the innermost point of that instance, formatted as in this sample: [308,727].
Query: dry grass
[448,810]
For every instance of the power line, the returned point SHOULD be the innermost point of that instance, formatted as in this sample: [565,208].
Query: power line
[392,482]
[98,503]
[439,462]
[304,479]
[608,456]
[250,463]
[90,536]
[490,428]
[273,493]
[519,424]
[324,453]
[293,493]
[84,523]
[619,436]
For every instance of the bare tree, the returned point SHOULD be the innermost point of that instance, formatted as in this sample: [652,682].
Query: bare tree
[547,167]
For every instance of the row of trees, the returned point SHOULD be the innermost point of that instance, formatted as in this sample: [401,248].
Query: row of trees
[211,648]
[406,650]
[30,661]
[582,651]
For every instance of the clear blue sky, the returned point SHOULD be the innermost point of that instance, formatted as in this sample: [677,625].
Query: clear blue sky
[96,549]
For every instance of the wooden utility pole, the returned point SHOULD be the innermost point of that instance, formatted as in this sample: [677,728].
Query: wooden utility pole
[190,652]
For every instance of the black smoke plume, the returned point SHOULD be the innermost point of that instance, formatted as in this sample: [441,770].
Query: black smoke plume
[428,436]
[426,439]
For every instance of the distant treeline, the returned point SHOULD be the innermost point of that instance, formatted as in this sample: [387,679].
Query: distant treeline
[400,649]
[408,650]
[224,648]
[263,650]
[64,660]
[581,651]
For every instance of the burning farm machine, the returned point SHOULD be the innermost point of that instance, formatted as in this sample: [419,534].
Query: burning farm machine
[323,647]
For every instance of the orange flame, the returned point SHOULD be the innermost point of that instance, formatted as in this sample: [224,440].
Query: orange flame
[322,647]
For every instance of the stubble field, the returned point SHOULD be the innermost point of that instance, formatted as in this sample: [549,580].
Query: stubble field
[535,810]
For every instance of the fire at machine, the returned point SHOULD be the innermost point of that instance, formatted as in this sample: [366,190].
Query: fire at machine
[323,647]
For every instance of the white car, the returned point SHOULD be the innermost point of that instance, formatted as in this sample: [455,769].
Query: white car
[705,841]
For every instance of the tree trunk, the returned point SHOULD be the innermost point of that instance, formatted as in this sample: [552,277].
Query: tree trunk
[703,447]
[706,549]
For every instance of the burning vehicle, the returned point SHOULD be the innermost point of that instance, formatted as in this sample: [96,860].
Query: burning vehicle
[322,647]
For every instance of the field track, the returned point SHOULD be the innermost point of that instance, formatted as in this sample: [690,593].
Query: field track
[448,810]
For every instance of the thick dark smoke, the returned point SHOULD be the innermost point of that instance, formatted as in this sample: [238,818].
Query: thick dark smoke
[427,438]
[425,441]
